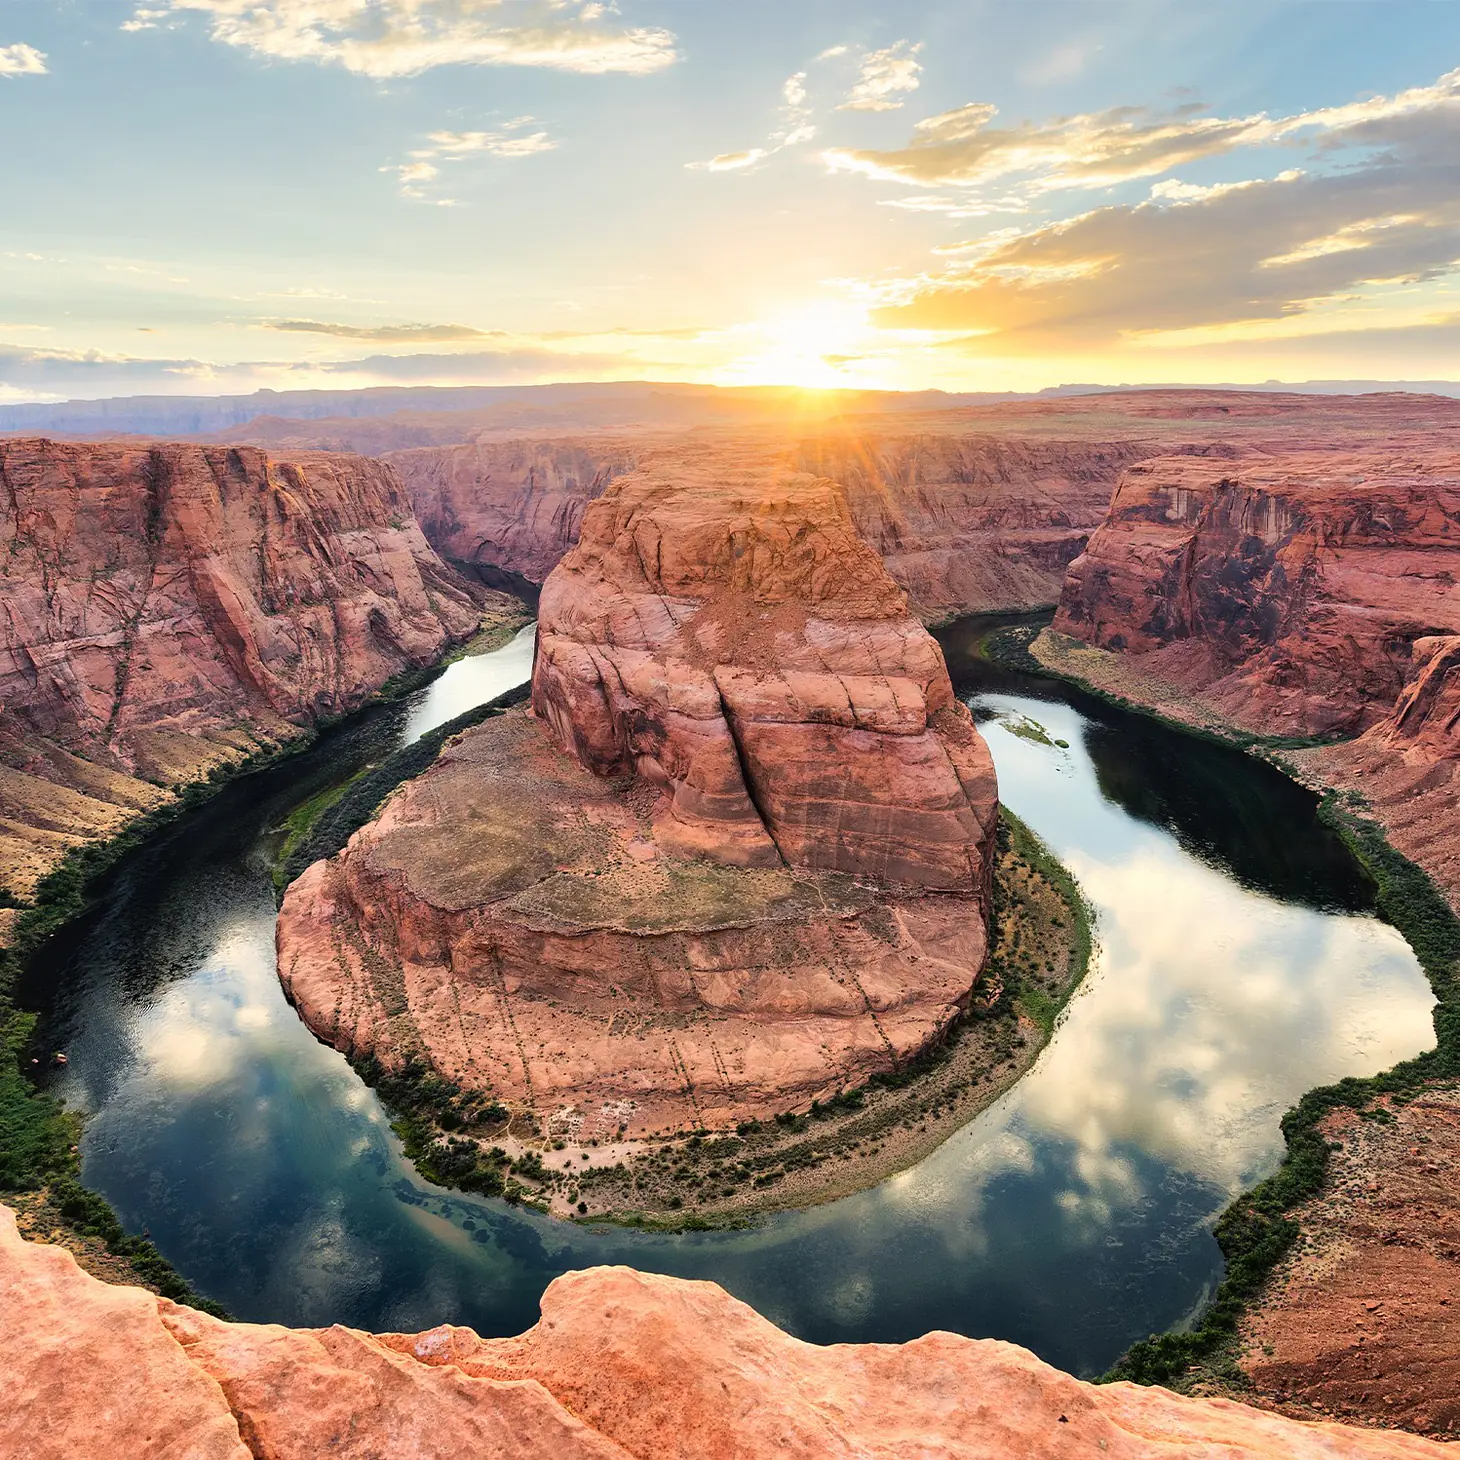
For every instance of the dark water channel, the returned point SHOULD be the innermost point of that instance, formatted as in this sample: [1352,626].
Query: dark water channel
[1239,964]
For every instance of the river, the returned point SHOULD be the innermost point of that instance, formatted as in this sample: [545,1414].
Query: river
[1240,963]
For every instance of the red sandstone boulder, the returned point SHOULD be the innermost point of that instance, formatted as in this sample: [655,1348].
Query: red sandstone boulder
[729,637]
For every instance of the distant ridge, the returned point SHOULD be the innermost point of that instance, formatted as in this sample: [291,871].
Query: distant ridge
[606,403]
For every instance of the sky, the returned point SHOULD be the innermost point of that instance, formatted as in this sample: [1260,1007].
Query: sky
[210,196]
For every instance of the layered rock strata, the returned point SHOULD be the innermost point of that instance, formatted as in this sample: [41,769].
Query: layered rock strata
[511,507]
[622,1366]
[1291,593]
[739,862]
[973,523]
[169,608]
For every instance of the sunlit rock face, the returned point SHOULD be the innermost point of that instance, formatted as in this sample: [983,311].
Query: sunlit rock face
[622,1364]
[739,861]
[730,638]
[969,521]
[1289,591]
[167,608]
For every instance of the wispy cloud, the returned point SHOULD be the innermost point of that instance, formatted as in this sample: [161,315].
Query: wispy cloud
[886,78]
[795,128]
[962,148]
[22,60]
[387,38]
[398,334]
[424,164]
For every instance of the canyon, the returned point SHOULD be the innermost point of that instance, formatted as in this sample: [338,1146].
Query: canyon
[736,861]
[622,1364]
[168,611]
[736,858]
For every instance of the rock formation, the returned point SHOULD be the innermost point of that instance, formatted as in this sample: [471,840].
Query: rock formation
[170,608]
[758,875]
[1290,593]
[622,1366]
[973,523]
[510,506]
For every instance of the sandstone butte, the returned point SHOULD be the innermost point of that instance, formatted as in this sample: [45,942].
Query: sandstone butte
[1307,594]
[167,609]
[622,1366]
[739,859]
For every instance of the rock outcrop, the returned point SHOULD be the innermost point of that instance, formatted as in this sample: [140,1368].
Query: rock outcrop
[166,609]
[1290,593]
[622,1366]
[510,507]
[740,863]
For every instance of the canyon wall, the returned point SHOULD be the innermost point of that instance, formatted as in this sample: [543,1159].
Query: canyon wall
[512,506]
[622,1366]
[739,862]
[1288,592]
[166,609]
[965,523]
[972,523]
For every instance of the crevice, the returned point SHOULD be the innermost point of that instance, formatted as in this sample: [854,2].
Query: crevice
[747,780]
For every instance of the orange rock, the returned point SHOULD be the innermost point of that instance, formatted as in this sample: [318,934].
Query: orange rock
[621,1365]
[760,876]
[170,608]
[729,636]
[1290,592]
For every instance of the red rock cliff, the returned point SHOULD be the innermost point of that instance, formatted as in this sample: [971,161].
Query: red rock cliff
[512,506]
[728,635]
[972,523]
[1289,592]
[167,607]
[622,1366]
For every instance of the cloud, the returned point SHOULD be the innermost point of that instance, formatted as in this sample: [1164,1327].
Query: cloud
[400,334]
[423,165]
[389,38]
[961,148]
[885,77]
[731,161]
[21,60]
[795,128]
[1377,209]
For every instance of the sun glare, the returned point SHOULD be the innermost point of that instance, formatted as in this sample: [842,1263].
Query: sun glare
[818,347]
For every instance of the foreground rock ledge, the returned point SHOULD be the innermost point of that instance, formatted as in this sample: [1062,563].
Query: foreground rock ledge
[739,861]
[622,1364]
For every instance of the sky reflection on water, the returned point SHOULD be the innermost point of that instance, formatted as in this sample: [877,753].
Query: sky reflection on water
[1237,968]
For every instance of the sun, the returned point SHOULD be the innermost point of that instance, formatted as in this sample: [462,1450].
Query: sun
[816,347]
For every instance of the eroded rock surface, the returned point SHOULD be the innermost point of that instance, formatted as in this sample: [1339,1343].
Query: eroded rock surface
[1363,1321]
[622,1366]
[168,608]
[1293,594]
[510,506]
[739,863]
